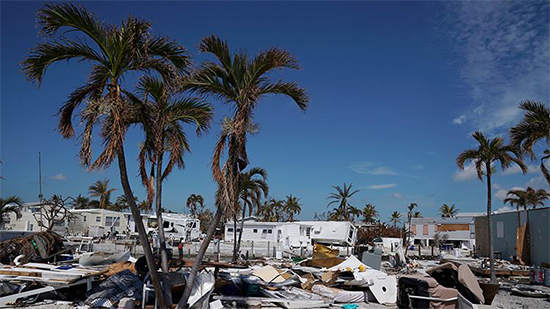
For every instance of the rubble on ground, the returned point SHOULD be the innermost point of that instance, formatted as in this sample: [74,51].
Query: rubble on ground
[324,280]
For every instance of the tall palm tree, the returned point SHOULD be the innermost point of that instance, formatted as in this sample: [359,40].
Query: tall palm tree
[395,218]
[534,126]
[342,198]
[192,201]
[292,206]
[113,51]
[100,189]
[417,214]
[81,202]
[488,152]
[252,187]
[447,211]
[162,115]
[11,204]
[369,213]
[242,81]
[410,214]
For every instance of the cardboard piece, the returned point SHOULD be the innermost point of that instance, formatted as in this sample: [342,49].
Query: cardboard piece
[268,274]
[329,277]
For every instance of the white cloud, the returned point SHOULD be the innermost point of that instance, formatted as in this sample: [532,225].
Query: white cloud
[469,172]
[502,193]
[371,168]
[502,49]
[382,186]
[537,183]
[59,176]
[459,120]
[515,169]
[505,208]
[397,195]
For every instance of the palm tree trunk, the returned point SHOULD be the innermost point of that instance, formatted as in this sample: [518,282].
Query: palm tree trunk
[527,237]
[162,238]
[160,221]
[200,255]
[140,228]
[234,258]
[490,224]
[242,225]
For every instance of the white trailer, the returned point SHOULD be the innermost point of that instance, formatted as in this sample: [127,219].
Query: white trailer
[342,233]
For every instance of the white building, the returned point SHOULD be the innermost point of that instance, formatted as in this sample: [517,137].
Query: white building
[101,222]
[294,234]
[460,230]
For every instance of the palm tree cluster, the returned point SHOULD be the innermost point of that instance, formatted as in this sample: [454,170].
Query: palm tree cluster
[161,105]
[343,211]
[534,126]
[447,211]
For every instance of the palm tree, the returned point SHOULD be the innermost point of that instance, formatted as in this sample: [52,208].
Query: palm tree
[411,207]
[81,202]
[342,197]
[162,115]
[534,126]
[121,203]
[192,202]
[395,218]
[447,211]
[11,204]
[100,189]
[417,214]
[488,152]
[242,81]
[252,187]
[114,51]
[292,206]
[369,213]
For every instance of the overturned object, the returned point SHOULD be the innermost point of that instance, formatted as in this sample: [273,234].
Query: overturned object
[37,247]
[111,291]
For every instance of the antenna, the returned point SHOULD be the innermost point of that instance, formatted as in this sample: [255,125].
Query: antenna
[39,177]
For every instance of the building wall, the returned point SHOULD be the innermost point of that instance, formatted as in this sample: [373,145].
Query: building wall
[504,234]
[252,232]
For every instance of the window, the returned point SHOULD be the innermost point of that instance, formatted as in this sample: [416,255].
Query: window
[500,229]
[31,227]
[97,219]
[7,219]
[308,231]
[255,231]
[230,230]
[84,218]
[166,224]
[264,231]
[270,231]
[112,221]
[238,230]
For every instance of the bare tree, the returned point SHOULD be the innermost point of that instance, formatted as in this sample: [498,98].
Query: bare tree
[52,211]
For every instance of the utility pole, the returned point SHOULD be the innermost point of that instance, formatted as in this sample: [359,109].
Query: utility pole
[40,177]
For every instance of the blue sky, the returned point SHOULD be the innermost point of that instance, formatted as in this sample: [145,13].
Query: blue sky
[396,89]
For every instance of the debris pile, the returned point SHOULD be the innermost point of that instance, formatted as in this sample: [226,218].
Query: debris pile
[37,247]
[323,280]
